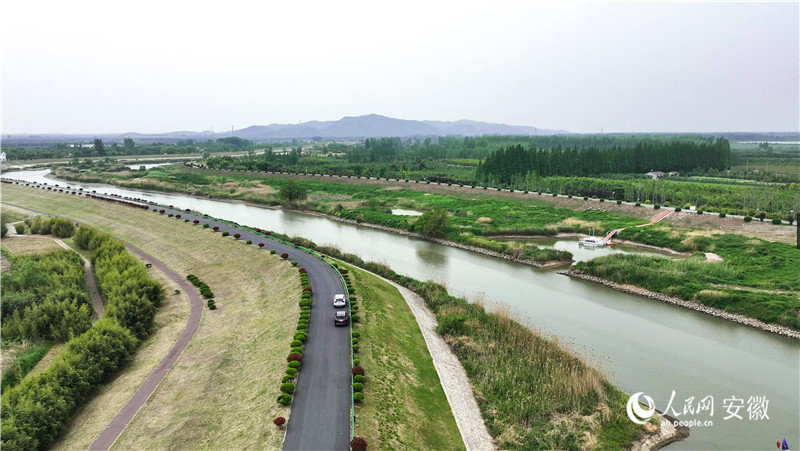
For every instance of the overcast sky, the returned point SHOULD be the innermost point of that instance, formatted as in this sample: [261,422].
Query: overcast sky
[118,66]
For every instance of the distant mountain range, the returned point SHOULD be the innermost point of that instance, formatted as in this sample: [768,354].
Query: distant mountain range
[375,125]
[367,126]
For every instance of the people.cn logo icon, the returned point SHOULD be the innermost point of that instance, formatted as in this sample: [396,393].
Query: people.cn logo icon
[635,411]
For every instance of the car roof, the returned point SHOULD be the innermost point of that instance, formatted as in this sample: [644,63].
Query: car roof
[341,313]
[338,296]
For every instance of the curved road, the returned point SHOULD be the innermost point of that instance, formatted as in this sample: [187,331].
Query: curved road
[320,415]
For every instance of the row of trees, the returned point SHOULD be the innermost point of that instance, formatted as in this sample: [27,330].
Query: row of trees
[128,147]
[37,410]
[503,166]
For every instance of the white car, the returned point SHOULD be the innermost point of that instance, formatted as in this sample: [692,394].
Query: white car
[339,301]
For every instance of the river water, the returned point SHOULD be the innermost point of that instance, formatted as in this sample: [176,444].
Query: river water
[642,345]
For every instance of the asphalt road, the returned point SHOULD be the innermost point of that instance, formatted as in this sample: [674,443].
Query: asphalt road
[320,415]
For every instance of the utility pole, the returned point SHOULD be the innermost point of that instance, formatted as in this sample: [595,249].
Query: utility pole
[797,222]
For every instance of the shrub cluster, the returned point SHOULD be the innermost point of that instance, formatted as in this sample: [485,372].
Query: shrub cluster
[46,225]
[45,298]
[36,411]
[203,288]
[295,357]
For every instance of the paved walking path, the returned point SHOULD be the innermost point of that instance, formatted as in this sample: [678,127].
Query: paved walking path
[121,420]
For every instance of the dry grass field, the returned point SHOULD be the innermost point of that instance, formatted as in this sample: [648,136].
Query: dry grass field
[221,393]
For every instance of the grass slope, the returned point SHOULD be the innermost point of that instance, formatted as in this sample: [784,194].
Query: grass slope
[221,393]
[756,278]
[405,406]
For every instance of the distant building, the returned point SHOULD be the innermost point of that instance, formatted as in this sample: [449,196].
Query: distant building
[673,173]
[655,174]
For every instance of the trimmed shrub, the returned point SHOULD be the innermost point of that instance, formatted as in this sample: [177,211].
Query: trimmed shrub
[656,207]
[297,350]
[248,242]
[301,336]
[358,378]
[677,208]
[287,378]
[196,221]
[186,220]
[356,334]
[358,397]
[776,221]
[355,349]
[748,219]
[237,235]
[355,340]
[284,255]
[226,233]
[291,371]
[280,421]
[273,251]
[305,303]
[215,228]
[294,364]
[357,370]
[722,215]
[211,304]
[205,226]
[358,444]
[356,362]
[619,202]
[260,244]
[699,212]
[296,343]
[638,204]
[355,318]
[285,399]
[295,357]
[287,387]
[358,386]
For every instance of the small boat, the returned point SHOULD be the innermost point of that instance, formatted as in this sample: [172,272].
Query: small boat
[592,241]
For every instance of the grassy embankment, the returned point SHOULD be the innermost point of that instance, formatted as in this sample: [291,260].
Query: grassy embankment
[533,394]
[756,278]
[209,398]
[405,406]
[221,392]
[473,217]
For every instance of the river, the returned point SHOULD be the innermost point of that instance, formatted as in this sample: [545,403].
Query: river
[642,345]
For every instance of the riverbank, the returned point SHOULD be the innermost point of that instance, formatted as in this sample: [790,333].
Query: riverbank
[402,232]
[719,313]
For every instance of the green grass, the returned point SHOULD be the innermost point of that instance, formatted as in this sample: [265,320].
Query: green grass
[472,216]
[26,359]
[405,406]
[533,394]
[756,278]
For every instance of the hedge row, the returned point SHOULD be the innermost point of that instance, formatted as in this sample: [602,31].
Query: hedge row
[357,372]
[295,358]
[36,411]
[204,290]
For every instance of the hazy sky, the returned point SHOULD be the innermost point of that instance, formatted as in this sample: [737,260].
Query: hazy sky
[116,66]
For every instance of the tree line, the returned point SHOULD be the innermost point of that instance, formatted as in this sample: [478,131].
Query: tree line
[507,165]
[37,410]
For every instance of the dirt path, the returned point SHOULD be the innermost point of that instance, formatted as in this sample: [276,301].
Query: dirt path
[91,283]
[121,420]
